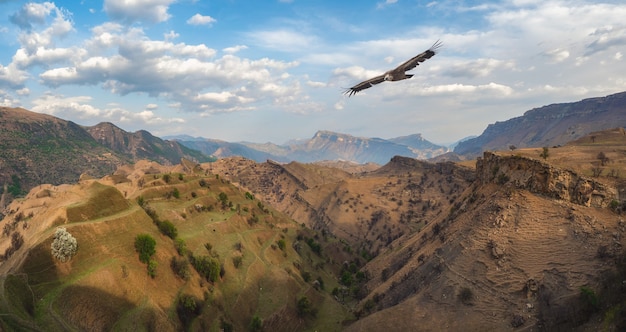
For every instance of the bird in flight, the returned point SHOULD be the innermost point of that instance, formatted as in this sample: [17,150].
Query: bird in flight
[398,73]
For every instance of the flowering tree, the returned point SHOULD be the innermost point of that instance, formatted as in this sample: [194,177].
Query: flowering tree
[64,245]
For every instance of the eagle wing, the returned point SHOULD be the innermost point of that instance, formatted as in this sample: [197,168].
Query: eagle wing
[414,61]
[365,84]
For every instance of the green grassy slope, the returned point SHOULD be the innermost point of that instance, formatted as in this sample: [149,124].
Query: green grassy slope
[105,286]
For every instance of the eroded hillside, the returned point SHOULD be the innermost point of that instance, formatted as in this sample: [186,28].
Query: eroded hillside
[521,242]
[367,210]
[529,239]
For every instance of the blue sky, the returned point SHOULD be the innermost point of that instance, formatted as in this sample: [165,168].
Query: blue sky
[271,71]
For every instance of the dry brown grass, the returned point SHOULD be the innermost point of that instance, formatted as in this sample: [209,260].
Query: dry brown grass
[105,285]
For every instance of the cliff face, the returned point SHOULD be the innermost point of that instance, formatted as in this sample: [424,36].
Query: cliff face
[541,178]
[550,125]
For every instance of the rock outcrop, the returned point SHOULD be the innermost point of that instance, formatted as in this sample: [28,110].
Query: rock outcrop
[542,178]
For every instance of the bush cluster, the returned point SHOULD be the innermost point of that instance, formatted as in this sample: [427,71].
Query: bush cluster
[206,266]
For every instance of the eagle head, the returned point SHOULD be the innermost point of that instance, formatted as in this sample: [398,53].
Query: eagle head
[388,77]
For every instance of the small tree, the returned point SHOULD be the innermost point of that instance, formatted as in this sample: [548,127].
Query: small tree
[223,198]
[304,307]
[64,245]
[466,296]
[545,153]
[181,246]
[603,158]
[281,244]
[152,266]
[167,229]
[144,245]
[256,324]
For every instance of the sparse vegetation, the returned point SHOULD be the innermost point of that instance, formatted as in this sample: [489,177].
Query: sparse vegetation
[64,245]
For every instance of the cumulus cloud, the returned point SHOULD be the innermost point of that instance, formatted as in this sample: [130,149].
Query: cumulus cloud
[32,13]
[11,76]
[7,100]
[81,107]
[125,61]
[130,11]
[198,19]
[52,24]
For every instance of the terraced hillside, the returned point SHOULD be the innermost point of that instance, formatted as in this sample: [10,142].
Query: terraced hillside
[223,260]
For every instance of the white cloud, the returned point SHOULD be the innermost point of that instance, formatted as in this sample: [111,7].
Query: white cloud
[476,68]
[6,100]
[130,11]
[12,76]
[80,107]
[32,13]
[23,92]
[45,56]
[234,49]
[314,84]
[354,73]
[198,19]
[126,61]
[462,88]
[171,35]
[557,55]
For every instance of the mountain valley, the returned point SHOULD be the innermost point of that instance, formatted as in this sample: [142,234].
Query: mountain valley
[522,238]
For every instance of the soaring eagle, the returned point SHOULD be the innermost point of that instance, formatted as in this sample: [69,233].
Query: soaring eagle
[398,73]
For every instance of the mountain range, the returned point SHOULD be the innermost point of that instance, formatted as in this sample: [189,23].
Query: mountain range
[529,239]
[39,148]
[550,125]
[525,238]
[324,145]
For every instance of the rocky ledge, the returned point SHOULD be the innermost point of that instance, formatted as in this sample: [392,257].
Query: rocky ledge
[539,177]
